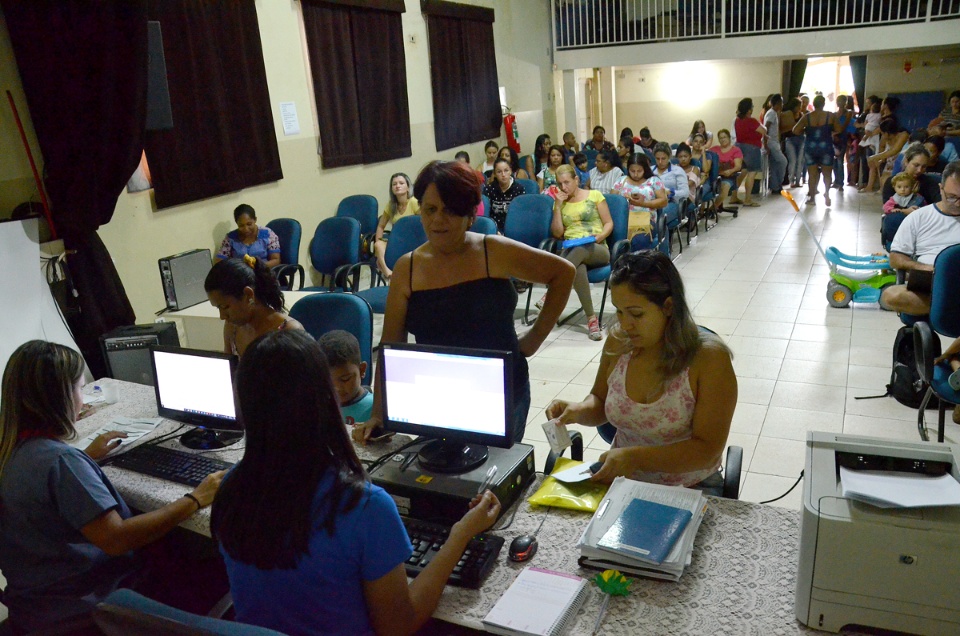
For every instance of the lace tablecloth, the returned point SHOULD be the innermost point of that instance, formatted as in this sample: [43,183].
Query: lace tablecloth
[741,580]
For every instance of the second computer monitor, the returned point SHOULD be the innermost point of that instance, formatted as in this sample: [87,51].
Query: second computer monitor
[461,398]
[196,387]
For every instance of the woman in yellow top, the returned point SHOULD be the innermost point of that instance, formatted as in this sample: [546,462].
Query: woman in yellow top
[401,204]
[579,213]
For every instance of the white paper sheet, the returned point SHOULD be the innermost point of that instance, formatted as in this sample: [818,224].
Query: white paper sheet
[576,474]
[288,115]
[888,489]
[135,428]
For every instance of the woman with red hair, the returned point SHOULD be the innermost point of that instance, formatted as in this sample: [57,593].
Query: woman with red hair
[456,289]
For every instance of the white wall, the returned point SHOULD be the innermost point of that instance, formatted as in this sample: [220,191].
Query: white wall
[668,98]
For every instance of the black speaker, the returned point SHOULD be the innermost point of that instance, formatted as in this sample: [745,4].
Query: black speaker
[159,113]
[126,350]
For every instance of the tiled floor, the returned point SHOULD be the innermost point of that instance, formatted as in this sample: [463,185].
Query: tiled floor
[759,281]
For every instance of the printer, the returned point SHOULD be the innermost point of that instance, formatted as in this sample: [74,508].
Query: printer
[888,568]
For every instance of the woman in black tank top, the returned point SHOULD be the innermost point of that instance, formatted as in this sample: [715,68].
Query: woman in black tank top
[455,289]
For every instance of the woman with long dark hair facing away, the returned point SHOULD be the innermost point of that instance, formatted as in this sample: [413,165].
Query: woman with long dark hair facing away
[67,538]
[249,300]
[667,387]
[310,545]
[456,290]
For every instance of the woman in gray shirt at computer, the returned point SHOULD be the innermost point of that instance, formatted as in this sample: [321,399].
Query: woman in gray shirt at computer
[66,536]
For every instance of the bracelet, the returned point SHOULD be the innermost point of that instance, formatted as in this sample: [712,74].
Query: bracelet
[194,500]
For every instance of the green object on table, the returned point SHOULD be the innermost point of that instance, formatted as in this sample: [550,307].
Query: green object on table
[612,583]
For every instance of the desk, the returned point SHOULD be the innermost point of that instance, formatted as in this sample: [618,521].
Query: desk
[202,327]
[741,580]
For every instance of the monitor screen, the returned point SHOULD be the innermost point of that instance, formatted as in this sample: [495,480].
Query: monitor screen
[457,395]
[195,387]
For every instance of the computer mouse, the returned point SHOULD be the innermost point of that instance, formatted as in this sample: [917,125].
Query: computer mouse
[523,548]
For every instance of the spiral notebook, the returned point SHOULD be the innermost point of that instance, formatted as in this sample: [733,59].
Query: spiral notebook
[538,603]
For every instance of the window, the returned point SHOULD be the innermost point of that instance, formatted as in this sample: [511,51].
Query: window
[223,139]
[355,48]
[463,72]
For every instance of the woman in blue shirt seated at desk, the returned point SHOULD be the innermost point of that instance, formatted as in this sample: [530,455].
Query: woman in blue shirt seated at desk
[667,386]
[249,239]
[66,536]
[311,546]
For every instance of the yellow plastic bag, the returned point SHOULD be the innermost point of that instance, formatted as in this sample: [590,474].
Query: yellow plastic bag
[585,496]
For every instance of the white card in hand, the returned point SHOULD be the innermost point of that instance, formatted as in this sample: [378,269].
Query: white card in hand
[557,435]
[580,472]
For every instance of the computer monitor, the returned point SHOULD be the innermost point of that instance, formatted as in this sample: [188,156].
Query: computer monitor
[196,387]
[462,398]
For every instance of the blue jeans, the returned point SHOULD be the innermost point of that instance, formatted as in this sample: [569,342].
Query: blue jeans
[521,408]
[793,148]
[778,164]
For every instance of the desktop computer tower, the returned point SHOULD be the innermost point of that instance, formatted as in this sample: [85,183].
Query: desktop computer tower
[127,350]
[444,498]
[182,276]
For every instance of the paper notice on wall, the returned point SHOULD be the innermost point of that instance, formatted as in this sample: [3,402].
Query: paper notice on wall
[288,114]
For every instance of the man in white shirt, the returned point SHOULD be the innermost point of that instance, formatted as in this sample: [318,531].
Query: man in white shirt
[921,237]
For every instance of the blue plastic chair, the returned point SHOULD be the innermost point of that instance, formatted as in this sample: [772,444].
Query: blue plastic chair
[529,186]
[486,205]
[618,244]
[407,235]
[334,249]
[528,221]
[363,208]
[944,318]
[324,312]
[289,232]
[710,189]
[125,612]
[591,158]
[483,225]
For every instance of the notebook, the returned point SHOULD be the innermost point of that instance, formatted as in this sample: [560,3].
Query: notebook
[538,603]
[646,530]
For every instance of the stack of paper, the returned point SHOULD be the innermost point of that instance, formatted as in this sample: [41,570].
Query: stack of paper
[643,529]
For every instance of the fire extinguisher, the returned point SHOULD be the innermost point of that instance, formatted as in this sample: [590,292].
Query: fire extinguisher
[513,135]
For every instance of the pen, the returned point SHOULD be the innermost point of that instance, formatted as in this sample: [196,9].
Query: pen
[487,480]
[603,610]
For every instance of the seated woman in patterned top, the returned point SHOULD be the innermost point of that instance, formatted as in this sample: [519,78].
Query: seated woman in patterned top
[501,191]
[249,239]
[668,387]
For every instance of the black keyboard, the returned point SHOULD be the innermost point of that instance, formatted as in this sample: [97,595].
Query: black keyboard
[168,463]
[476,562]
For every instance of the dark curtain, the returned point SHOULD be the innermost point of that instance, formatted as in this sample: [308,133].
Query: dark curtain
[223,139]
[858,68]
[793,71]
[359,75]
[463,74]
[84,72]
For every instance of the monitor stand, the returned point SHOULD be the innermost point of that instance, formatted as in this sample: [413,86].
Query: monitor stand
[208,439]
[442,456]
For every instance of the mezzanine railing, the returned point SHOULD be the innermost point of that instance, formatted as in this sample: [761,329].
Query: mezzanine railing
[591,23]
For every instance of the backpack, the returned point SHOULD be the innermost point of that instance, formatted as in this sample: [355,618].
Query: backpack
[905,385]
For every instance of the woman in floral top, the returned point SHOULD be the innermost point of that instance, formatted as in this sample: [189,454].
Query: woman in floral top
[645,195]
[249,239]
[667,387]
